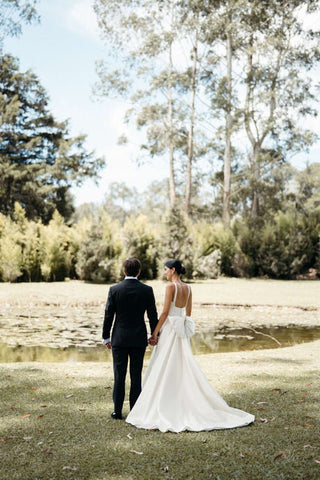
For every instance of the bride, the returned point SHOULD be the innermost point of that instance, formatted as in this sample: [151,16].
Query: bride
[176,395]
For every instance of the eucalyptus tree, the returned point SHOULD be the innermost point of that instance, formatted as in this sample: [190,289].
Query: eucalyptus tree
[190,21]
[135,38]
[279,56]
[257,77]
[147,65]
[223,37]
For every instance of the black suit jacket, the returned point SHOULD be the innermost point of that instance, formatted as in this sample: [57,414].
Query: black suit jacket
[126,305]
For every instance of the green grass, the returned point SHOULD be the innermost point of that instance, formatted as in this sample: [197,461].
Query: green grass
[55,423]
[55,417]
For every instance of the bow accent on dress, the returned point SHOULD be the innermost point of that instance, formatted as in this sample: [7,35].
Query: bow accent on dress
[184,326]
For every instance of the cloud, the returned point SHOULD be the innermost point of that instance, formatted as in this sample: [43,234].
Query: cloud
[81,18]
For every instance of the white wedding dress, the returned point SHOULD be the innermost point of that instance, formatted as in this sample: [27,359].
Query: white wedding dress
[176,395]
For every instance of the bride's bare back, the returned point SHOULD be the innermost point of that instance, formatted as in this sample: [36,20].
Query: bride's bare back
[182,294]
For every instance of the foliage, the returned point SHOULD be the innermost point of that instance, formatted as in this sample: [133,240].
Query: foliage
[282,247]
[139,241]
[10,250]
[200,75]
[279,55]
[160,82]
[121,201]
[308,191]
[176,240]
[244,260]
[208,266]
[214,237]
[57,250]
[31,243]
[98,258]
[39,161]
[13,14]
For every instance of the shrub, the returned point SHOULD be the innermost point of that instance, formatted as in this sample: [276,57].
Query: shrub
[139,241]
[283,247]
[98,258]
[57,259]
[176,240]
[207,266]
[10,252]
[210,238]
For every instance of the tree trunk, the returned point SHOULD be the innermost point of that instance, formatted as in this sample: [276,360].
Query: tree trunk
[191,129]
[255,207]
[172,182]
[254,140]
[228,131]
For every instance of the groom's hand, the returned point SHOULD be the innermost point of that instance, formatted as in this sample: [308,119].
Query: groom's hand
[108,345]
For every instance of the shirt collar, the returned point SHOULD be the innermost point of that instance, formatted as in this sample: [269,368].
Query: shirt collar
[130,278]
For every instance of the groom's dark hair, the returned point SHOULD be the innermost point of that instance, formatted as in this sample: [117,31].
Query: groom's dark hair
[132,266]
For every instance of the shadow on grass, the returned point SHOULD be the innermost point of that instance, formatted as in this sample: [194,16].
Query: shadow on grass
[56,425]
[274,360]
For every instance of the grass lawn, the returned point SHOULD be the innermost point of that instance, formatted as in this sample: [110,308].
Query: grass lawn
[55,423]
[55,417]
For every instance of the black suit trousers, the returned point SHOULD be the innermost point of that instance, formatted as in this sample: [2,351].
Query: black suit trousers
[121,355]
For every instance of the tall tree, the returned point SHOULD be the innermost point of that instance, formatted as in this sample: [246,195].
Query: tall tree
[191,24]
[256,53]
[228,129]
[147,36]
[39,161]
[224,37]
[279,92]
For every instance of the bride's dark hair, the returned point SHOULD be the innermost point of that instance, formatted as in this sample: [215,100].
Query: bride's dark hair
[177,265]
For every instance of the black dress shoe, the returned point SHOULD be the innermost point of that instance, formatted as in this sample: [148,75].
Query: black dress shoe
[116,416]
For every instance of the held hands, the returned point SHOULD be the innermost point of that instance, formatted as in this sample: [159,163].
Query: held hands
[153,340]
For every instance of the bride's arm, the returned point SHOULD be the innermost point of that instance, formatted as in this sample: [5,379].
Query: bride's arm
[189,304]
[165,311]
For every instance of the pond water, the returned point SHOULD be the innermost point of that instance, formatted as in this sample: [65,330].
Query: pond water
[223,340]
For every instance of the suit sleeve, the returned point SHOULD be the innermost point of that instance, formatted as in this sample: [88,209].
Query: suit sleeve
[108,316]
[152,311]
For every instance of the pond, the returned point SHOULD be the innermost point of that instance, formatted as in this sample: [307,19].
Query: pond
[223,340]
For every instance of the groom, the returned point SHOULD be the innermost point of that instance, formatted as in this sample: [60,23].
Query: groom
[127,302]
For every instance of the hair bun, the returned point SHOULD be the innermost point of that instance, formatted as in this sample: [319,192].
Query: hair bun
[177,265]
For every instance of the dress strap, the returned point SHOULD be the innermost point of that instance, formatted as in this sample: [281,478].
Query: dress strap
[175,292]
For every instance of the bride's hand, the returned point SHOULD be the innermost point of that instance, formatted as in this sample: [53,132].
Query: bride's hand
[153,340]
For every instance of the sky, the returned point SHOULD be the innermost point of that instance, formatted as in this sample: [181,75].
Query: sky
[62,51]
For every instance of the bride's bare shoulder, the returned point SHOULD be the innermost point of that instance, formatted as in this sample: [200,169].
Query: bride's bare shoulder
[170,287]
[169,291]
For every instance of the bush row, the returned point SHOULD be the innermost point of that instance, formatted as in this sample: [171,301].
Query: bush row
[285,246]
